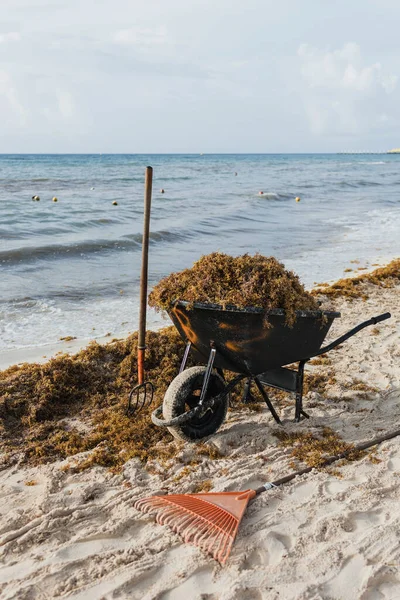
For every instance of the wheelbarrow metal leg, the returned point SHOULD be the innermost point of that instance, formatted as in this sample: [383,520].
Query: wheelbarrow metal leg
[267,400]
[299,393]
[247,396]
[207,376]
[185,357]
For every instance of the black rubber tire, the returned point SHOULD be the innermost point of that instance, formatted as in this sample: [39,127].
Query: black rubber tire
[181,397]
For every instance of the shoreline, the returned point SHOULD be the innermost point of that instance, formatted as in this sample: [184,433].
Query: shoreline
[42,354]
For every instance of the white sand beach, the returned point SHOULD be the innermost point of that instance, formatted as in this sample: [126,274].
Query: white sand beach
[321,536]
[182,182]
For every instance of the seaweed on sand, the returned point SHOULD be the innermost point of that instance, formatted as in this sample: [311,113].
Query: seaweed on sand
[313,450]
[241,281]
[357,287]
[77,403]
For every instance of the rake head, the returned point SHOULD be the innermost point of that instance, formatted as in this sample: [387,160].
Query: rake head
[141,396]
[209,521]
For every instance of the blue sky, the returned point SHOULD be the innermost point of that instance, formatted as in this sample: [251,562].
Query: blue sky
[199,75]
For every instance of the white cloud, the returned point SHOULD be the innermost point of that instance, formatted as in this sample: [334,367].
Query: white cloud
[12,36]
[389,83]
[342,94]
[136,36]
[14,110]
[343,69]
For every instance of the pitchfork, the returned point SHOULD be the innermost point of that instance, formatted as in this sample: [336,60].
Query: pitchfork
[142,394]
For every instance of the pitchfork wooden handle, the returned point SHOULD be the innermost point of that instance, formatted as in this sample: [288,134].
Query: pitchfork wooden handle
[144,273]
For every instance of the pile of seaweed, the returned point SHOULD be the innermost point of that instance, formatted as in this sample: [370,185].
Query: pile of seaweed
[357,287]
[77,403]
[242,281]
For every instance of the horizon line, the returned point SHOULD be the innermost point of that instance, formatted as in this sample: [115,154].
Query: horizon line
[190,153]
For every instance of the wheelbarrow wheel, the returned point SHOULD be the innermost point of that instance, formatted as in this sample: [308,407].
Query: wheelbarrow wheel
[183,394]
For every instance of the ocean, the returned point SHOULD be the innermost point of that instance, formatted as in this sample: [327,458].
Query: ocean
[72,267]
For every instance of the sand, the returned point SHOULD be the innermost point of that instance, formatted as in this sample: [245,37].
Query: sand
[42,354]
[76,535]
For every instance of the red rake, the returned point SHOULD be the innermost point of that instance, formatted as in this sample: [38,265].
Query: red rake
[211,520]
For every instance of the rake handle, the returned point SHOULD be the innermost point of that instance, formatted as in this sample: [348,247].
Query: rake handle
[148,183]
[328,461]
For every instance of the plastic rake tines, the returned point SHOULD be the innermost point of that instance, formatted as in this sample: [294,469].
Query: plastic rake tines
[209,521]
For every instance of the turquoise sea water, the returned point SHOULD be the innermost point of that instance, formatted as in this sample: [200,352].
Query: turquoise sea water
[72,267]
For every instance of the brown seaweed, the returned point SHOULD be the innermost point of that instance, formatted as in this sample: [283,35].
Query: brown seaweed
[357,287]
[312,449]
[242,281]
[40,404]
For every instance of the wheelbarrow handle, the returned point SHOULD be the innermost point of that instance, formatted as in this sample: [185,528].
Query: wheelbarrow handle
[380,318]
[349,334]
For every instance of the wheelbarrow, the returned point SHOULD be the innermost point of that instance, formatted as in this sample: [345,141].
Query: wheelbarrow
[251,342]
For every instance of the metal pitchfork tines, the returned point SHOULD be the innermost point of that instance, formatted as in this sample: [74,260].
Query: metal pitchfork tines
[141,395]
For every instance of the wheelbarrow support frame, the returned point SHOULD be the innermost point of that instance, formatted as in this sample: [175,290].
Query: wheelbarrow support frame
[282,378]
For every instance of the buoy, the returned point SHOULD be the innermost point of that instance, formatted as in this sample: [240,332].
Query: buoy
[297,198]
[260,193]
[55,199]
[162,191]
[115,203]
[92,188]
[37,198]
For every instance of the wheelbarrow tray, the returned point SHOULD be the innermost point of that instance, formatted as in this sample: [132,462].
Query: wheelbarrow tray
[250,340]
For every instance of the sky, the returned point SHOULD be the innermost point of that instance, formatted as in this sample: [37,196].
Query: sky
[191,76]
